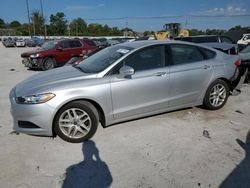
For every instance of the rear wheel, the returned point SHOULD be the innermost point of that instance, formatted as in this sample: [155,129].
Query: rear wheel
[216,95]
[48,63]
[76,121]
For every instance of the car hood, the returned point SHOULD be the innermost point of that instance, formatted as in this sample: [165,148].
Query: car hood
[47,81]
[27,54]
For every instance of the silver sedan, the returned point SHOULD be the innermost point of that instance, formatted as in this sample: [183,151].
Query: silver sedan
[120,83]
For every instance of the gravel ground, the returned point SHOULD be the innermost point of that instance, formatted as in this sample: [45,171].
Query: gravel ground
[187,148]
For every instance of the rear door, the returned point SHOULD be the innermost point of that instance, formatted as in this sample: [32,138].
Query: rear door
[147,90]
[190,72]
[63,54]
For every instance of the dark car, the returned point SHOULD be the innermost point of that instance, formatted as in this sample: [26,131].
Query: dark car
[101,42]
[224,47]
[30,43]
[9,43]
[54,53]
[206,39]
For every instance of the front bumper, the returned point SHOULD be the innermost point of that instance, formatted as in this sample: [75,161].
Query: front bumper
[32,62]
[40,115]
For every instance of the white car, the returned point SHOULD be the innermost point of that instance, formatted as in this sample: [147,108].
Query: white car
[20,43]
[245,40]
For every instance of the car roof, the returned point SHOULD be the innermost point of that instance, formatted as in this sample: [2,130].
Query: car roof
[144,43]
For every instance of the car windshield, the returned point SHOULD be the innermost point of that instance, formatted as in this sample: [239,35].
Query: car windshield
[102,59]
[48,45]
[246,49]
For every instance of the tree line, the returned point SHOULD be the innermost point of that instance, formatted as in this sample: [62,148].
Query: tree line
[60,26]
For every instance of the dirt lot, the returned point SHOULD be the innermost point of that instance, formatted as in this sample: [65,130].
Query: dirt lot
[187,148]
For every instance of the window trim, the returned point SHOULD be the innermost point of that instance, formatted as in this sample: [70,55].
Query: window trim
[138,51]
[196,47]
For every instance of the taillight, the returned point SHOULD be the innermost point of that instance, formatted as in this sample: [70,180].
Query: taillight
[237,63]
[78,62]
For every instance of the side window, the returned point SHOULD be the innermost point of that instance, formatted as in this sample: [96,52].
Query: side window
[183,54]
[75,44]
[90,42]
[148,58]
[226,40]
[65,44]
[209,54]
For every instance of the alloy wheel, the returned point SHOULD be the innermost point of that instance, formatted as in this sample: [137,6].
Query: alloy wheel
[75,123]
[217,95]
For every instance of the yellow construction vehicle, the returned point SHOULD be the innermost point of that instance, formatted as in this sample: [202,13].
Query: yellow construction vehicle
[170,31]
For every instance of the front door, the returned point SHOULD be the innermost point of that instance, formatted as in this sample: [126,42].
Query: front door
[147,90]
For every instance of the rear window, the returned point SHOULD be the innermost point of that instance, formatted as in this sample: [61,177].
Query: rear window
[90,42]
[209,54]
[75,44]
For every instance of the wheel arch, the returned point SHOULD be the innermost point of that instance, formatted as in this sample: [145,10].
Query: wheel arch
[94,103]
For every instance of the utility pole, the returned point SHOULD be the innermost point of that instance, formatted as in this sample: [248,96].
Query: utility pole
[44,23]
[28,13]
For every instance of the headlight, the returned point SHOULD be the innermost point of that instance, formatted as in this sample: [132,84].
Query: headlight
[35,99]
[34,55]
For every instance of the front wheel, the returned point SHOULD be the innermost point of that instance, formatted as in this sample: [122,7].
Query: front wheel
[48,63]
[216,95]
[76,122]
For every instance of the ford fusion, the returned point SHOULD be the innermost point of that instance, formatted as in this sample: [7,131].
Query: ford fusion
[120,83]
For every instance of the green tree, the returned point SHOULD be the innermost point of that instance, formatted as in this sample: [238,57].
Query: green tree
[14,24]
[147,33]
[78,27]
[2,23]
[58,24]
[37,22]
[194,32]
[23,30]
[243,29]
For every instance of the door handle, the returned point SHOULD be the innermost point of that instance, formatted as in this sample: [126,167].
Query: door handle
[206,66]
[160,74]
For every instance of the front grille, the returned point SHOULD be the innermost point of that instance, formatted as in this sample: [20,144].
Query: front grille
[27,124]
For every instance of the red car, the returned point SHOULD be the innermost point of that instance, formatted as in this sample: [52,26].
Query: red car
[56,53]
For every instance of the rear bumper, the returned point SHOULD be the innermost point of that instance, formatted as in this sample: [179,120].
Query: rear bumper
[238,79]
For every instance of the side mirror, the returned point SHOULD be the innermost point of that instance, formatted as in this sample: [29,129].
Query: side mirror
[59,48]
[126,71]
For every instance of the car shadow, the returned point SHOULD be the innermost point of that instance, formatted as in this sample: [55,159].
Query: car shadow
[240,176]
[91,172]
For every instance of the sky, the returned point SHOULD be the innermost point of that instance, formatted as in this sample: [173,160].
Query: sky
[140,15]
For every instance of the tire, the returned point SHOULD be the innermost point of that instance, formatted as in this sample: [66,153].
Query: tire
[216,95]
[76,122]
[48,63]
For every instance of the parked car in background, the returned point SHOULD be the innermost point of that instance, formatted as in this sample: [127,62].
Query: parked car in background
[245,58]
[38,41]
[29,43]
[54,54]
[112,42]
[224,47]
[101,42]
[206,39]
[9,43]
[245,53]
[123,82]
[245,40]
[20,43]
[89,46]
